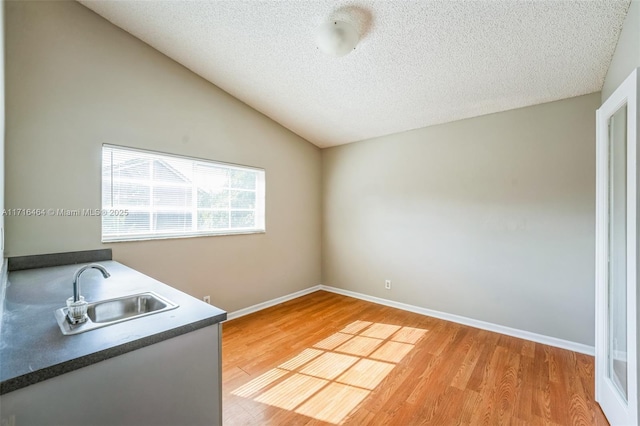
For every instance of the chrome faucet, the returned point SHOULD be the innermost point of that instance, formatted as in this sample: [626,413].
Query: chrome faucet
[76,278]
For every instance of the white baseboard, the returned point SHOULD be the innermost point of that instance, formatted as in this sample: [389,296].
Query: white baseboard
[269,303]
[521,334]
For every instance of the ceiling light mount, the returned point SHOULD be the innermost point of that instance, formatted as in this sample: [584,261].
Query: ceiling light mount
[337,38]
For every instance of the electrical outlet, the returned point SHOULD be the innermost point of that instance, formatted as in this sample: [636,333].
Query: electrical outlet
[387,284]
[207,299]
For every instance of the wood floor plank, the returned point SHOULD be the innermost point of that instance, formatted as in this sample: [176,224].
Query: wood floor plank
[325,359]
[524,398]
[469,362]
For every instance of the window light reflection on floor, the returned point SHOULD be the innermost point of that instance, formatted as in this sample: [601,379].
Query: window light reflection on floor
[329,380]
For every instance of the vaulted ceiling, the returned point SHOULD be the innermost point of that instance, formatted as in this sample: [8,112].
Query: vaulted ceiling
[418,63]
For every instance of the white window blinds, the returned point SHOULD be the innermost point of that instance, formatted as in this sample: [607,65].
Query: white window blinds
[148,195]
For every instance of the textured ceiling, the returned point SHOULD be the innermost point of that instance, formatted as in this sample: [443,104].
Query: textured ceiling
[418,63]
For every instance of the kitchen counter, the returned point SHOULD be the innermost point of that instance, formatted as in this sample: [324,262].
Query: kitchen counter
[32,347]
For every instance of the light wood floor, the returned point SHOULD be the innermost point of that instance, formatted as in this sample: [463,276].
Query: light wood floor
[327,359]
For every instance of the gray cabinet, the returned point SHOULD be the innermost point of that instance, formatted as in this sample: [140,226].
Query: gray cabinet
[173,382]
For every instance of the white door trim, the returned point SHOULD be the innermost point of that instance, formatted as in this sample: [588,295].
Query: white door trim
[618,411]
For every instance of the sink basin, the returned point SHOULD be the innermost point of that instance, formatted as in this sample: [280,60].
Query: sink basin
[125,308]
[112,311]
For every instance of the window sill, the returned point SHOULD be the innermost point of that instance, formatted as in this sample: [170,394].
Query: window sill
[172,237]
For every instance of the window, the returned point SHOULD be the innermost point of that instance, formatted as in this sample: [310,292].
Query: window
[148,195]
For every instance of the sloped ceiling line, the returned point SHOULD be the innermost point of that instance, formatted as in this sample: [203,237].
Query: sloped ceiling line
[418,63]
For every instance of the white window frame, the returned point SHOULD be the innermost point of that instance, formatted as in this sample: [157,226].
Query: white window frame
[109,209]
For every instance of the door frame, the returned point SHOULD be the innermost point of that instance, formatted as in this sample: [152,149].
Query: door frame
[618,411]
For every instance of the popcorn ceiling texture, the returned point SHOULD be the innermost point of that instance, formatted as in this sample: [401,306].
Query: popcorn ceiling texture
[418,63]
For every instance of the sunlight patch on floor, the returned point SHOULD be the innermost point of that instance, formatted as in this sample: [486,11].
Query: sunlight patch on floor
[301,359]
[259,383]
[333,341]
[331,379]
[380,331]
[392,351]
[292,392]
[409,335]
[361,346]
[355,327]
[329,365]
[333,403]
[366,374]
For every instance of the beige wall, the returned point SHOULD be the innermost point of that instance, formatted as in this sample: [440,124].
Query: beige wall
[74,82]
[490,218]
[627,54]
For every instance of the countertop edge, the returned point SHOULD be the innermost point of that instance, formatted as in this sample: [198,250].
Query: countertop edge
[34,377]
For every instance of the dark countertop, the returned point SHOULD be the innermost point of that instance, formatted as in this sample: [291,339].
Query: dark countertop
[32,347]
